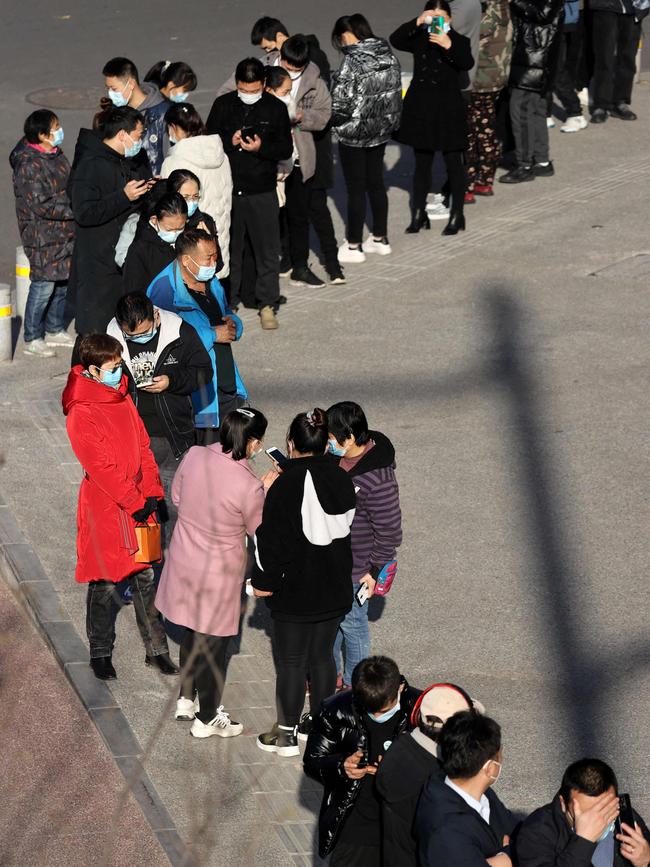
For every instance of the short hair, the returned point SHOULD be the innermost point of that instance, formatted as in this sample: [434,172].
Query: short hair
[39,121]
[190,239]
[178,177]
[356,24]
[121,67]
[97,349]
[133,309]
[249,70]
[115,119]
[275,76]
[180,73]
[438,4]
[169,205]
[375,682]
[295,50]
[184,115]
[347,419]
[466,742]
[308,432]
[267,28]
[238,427]
[589,776]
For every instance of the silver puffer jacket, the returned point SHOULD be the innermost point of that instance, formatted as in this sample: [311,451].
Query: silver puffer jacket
[367,94]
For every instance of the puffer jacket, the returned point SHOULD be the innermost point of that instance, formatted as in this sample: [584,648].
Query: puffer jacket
[156,142]
[45,218]
[204,155]
[536,29]
[338,731]
[367,94]
[495,49]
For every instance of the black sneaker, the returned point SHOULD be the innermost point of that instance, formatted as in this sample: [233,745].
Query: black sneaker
[544,171]
[622,111]
[336,276]
[518,175]
[305,726]
[282,740]
[305,277]
[599,115]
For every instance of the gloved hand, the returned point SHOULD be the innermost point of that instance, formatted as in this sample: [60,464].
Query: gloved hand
[150,506]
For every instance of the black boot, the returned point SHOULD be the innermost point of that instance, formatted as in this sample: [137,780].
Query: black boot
[162,662]
[456,223]
[419,220]
[103,668]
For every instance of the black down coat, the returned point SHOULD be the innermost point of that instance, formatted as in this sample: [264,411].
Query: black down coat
[536,27]
[434,112]
[339,730]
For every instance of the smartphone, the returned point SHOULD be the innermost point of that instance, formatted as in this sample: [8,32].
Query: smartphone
[363,762]
[626,814]
[145,383]
[437,24]
[362,595]
[276,455]
[248,132]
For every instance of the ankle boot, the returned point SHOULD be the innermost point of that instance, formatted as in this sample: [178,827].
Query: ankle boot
[419,220]
[456,223]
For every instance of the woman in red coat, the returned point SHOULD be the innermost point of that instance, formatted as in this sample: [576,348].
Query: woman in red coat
[121,486]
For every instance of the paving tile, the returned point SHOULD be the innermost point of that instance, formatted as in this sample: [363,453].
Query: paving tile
[23,562]
[93,693]
[176,850]
[10,532]
[145,794]
[116,731]
[65,641]
[282,807]
[44,600]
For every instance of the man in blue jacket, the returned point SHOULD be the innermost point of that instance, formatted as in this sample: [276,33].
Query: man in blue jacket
[189,287]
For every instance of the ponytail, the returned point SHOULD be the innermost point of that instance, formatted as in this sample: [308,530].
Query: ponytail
[308,432]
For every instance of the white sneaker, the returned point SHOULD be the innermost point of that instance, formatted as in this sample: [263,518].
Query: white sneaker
[38,348]
[61,338]
[583,96]
[383,248]
[187,708]
[221,725]
[574,124]
[437,210]
[550,123]
[349,254]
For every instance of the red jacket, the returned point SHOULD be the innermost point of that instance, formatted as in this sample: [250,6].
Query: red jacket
[112,445]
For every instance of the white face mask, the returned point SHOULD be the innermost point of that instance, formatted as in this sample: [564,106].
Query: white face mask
[487,765]
[249,98]
[294,76]
[286,99]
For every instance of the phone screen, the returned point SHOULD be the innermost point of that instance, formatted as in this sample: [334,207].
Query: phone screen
[276,455]
[247,132]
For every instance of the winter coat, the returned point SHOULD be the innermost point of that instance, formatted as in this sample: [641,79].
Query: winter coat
[181,356]
[466,20]
[155,139]
[148,255]
[204,155]
[545,839]
[303,552]
[402,774]
[100,207]
[622,7]
[339,730]
[253,172]
[434,113]
[169,292]
[449,831]
[45,219]
[536,29]
[366,94]
[219,501]
[495,51]
[108,437]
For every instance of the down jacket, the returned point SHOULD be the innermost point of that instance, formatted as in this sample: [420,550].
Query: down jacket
[495,49]
[536,30]
[155,139]
[45,219]
[204,155]
[366,94]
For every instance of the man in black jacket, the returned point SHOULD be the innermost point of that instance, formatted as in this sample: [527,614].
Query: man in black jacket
[256,133]
[460,821]
[577,829]
[349,737]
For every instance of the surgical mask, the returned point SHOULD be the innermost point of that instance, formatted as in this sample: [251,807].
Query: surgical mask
[286,99]
[335,449]
[446,27]
[294,76]
[493,762]
[249,98]
[172,140]
[191,207]
[57,137]
[388,714]
[117,97]
[167,235]
[133,149]
[179,97]
[112,378]
[608,830]
[206,272]
[142,338]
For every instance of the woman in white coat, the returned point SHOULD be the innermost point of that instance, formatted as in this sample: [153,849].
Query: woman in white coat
[204,155]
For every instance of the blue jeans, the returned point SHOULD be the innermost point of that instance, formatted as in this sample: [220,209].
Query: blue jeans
[45,309]
[352,639]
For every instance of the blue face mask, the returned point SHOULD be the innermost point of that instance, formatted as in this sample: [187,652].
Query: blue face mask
[57,137]
[142,338]
[133,149]
[191,207]
[608,830]
[112,378]
[118,98]
[335,449]
[167,235]
[205,272]
[389,714]
[179,97]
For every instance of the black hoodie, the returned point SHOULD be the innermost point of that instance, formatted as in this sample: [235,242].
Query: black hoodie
[148,255]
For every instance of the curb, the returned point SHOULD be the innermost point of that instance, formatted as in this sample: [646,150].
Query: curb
[23,571]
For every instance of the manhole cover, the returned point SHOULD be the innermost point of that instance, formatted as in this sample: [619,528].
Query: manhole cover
[67,97]
[634,267]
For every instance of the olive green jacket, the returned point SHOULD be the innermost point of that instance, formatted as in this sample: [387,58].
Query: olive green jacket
[495,49]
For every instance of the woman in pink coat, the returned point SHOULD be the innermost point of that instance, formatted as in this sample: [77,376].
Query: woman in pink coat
[219,501]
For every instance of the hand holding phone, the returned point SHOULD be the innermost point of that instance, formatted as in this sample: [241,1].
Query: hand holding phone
[362,595]
[278,458]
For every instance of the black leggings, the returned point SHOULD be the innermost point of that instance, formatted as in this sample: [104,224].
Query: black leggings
[363,170]
[206,673]
[455,174]
[300,649]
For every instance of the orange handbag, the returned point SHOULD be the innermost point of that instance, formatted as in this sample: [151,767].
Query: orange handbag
[149,542]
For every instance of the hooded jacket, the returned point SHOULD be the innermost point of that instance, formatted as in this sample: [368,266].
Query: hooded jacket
[366,94]
[495,51]
[303,552]
[535,42]
[339,730]
[155,139]
[181,356]
[148,255]
[111,444]
[204,155]
[449,831]
[100,207]
[45,219]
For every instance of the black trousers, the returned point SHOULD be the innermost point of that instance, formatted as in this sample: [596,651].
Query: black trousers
[363,170]
[565,83]
[103,602]
[203,667]
[615,42]
[456,177]
[355,855]
[321,220]
[257,216]
[297,213]
[301,649]
[167,466]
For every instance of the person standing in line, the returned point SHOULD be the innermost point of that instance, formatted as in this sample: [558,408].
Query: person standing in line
[303,568]
[434,114]
[46,225]
[569,60]
[153,246]
[366,109]
[175,81]
[120,488]
[219,502]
